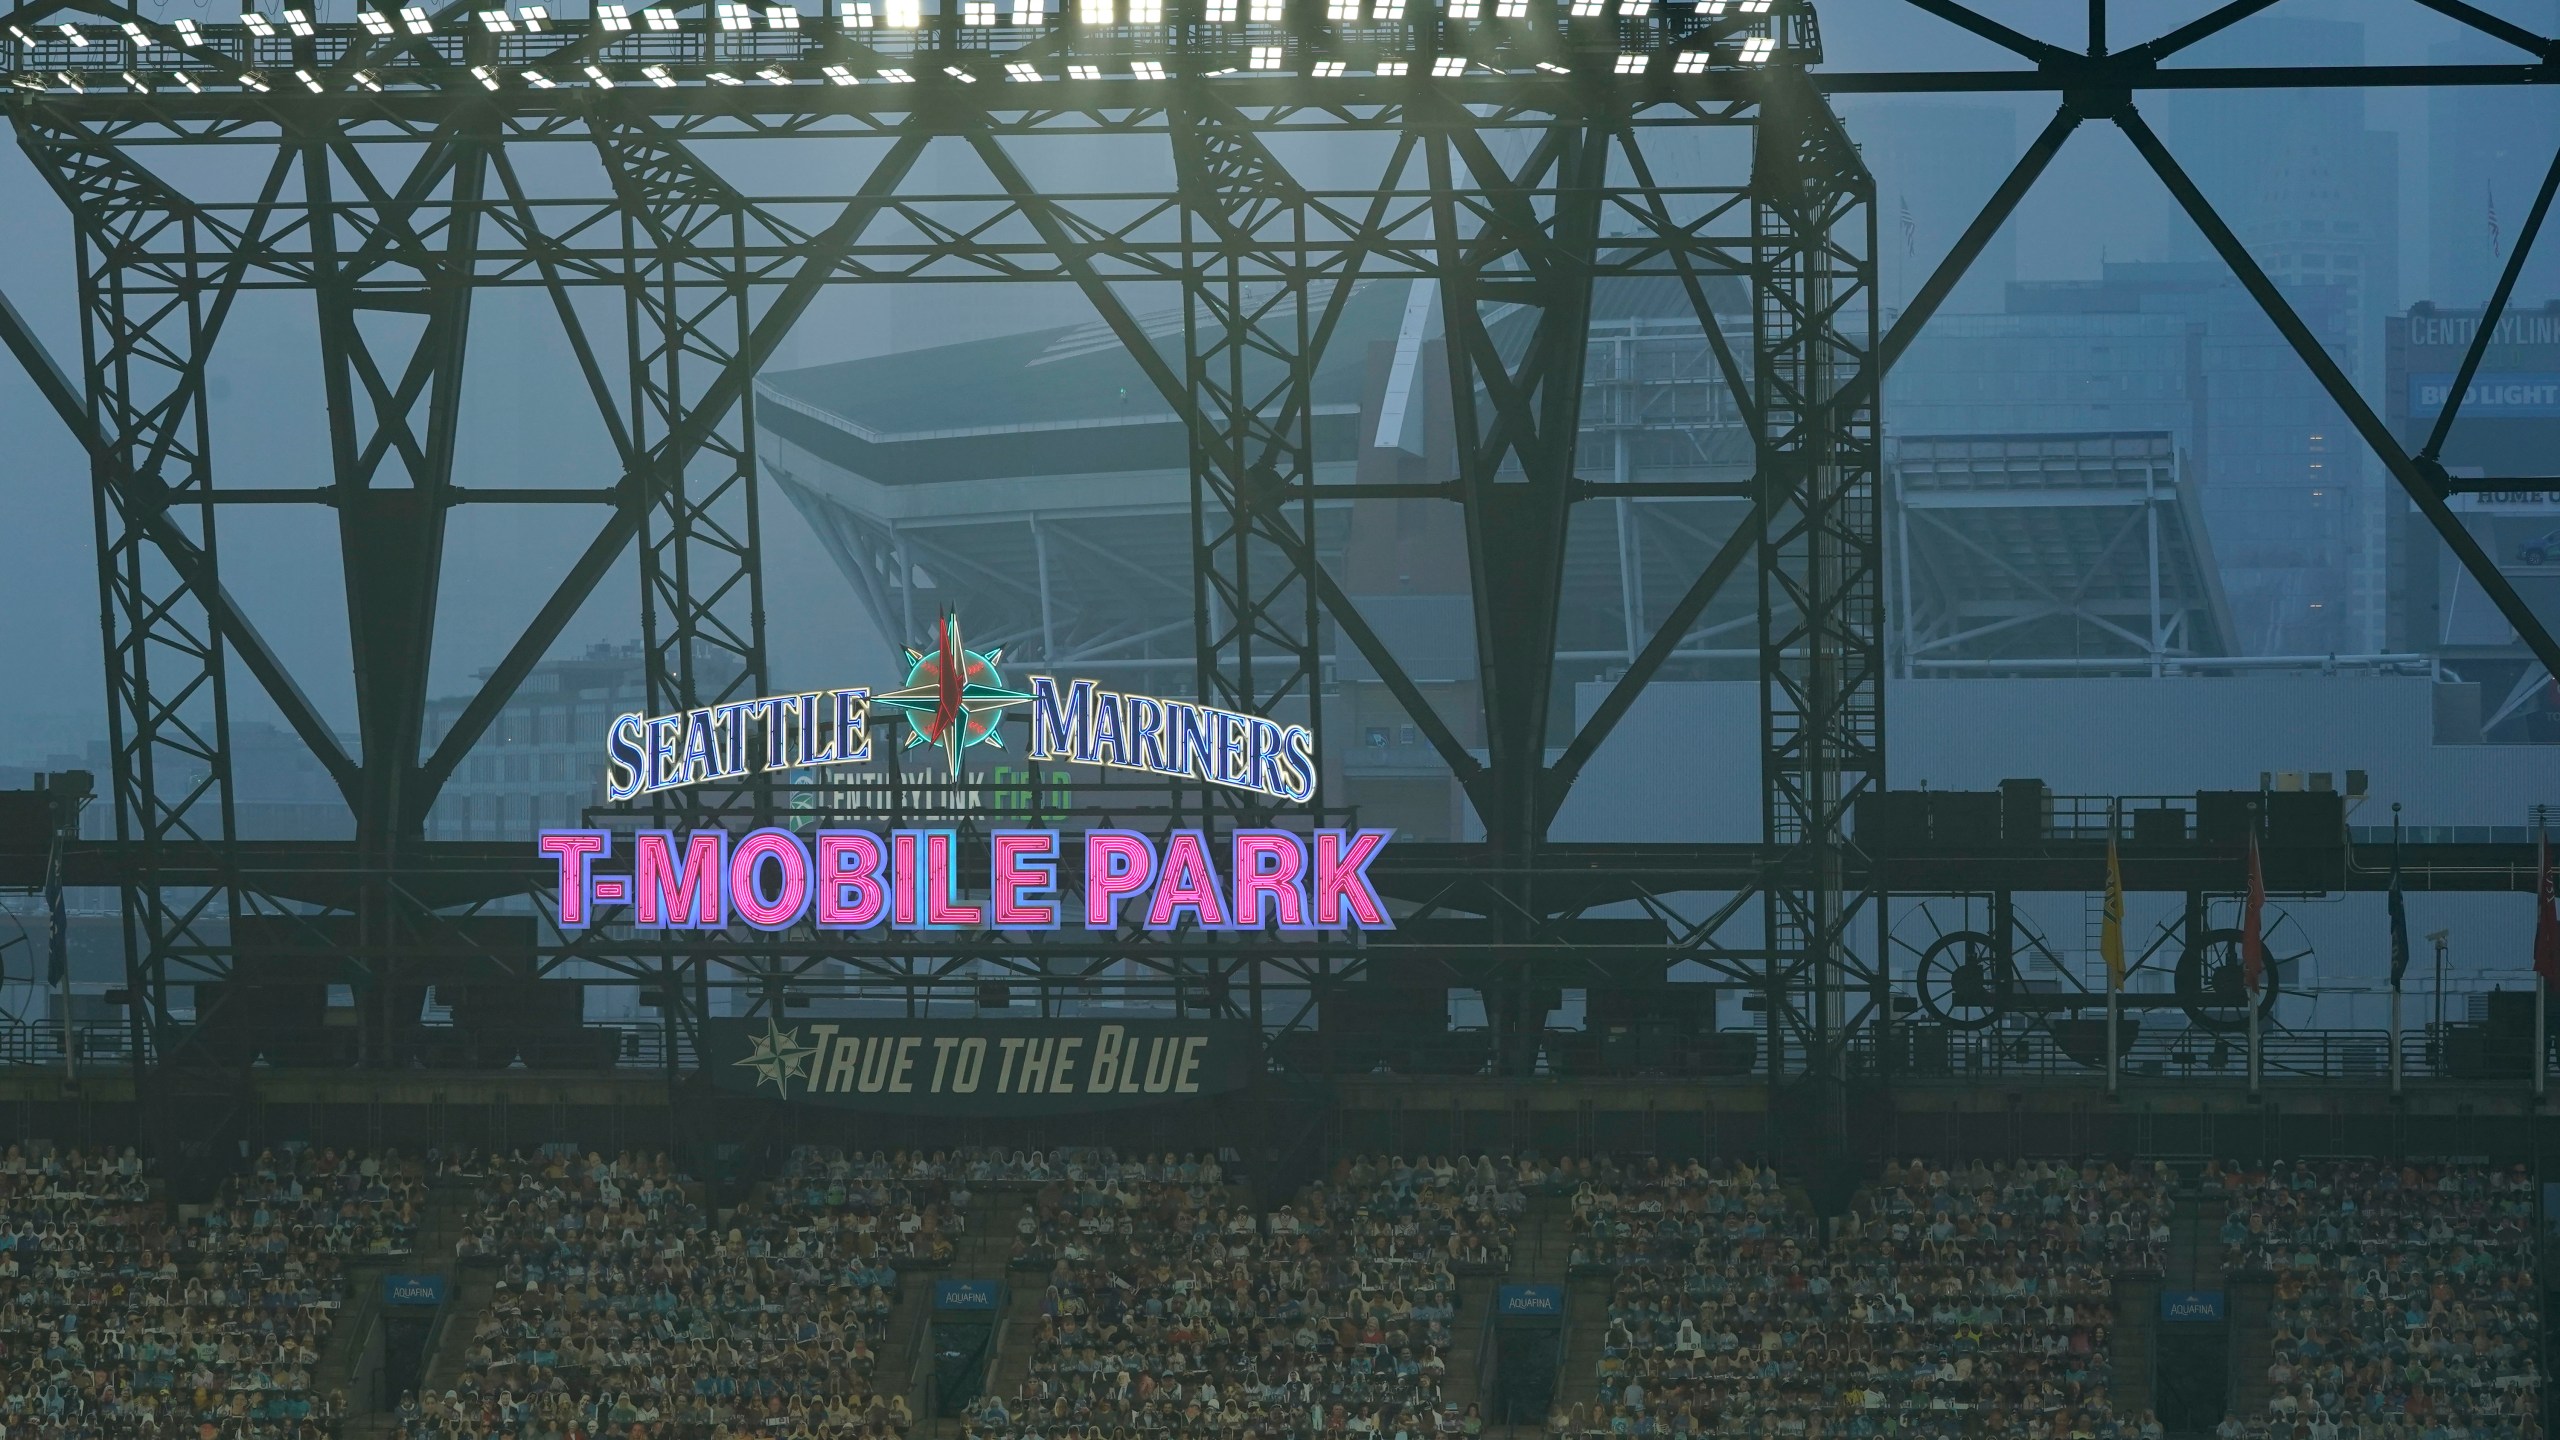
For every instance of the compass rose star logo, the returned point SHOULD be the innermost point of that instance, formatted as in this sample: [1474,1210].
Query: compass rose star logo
[778,1057]
[953,695]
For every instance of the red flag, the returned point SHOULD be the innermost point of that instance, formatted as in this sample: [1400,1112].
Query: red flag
[2253,938]
[2546,926]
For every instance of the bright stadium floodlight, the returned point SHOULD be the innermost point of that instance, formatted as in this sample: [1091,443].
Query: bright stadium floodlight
[254,81]
[309,81]
[1757,49]
[1266,12]
[188,34]
[1341,11]
[1711,8]
[1449,67]
[1511,9]
[956,73]
[723,77]
[487,77]
[1084,72]
[897,76]
[657,75]
[538,80]
[1631,64]
[1393,69]
[979,14]
[533,17]
[367,79]
[497,22]
[72,33]
[374,22]
[257,24]
[299,22]
[1466,9]
[904,14]
[1388,10]
[838,75]
[1264,57]
[1752,7]
[1027,74]
[1590,9]
[773,75]
[1094,12]
[781,17]
[141,41]
[734,16]
[1219,12]
[662,20]
[134,83]
[1146,12]
[1690,62]
[1146,69]
[71,81]
[414,17]
[615,19]
[1329,69]
[597,77]
[187,80]
[1553,68]
[1029,12]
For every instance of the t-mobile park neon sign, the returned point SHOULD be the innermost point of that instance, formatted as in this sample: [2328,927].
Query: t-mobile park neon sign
[774,879]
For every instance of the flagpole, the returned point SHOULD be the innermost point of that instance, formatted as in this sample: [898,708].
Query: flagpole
[2395,1039]
[2111,943]
[2399,947]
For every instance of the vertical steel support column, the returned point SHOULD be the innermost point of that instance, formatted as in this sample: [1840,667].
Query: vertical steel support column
[1821,610]
[155,279]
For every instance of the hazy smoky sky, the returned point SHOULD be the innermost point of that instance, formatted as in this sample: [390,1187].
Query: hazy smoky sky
[529,422]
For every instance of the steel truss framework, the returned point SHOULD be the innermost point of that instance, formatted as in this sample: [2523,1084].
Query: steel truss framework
[1515,194]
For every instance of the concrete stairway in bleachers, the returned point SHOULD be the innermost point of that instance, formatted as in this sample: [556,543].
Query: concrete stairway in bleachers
[1462,1386]
[2249,1299]
[473,1289]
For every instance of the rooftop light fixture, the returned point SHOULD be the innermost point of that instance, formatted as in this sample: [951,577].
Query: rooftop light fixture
[597,77]
[415,18]
[299,22]
[375,22]
[257,24]
[657,75]
[1146,69]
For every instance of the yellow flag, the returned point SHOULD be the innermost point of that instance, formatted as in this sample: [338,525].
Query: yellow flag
[2111,926]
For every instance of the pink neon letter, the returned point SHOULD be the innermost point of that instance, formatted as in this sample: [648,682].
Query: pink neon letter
[849,861]
[1342,877]
[1116,863]
[575,848]
[942,907]
[746,875]
[1025,859]
[905,876]
[1283,882]
[1189,880]
[692,897]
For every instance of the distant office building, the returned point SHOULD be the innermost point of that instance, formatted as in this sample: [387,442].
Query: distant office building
[2508,424]
[540,764]
[2181,348]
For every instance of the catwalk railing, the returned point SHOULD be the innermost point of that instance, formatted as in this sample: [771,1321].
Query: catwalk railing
[2454,1053]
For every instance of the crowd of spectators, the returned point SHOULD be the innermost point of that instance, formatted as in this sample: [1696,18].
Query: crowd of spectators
[621,1309]
[118,1320]
[1463,1214]
[1169,1308]
[2405,1304]
[1972,1302]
